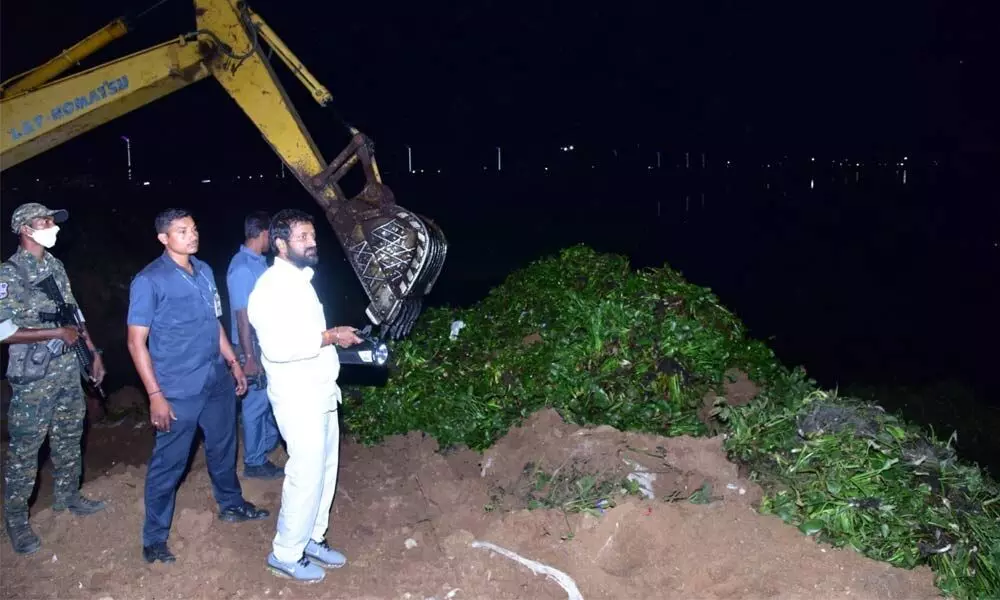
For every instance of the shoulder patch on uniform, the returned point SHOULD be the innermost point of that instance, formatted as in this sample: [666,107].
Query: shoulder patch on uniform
[3,290]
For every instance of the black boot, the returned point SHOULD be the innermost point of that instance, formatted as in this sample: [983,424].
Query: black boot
[157,551]
[22,538]
[78,505]
[244,512]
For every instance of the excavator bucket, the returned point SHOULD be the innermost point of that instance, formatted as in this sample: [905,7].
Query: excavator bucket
[397,254]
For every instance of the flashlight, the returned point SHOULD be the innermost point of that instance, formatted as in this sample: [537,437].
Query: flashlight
[372,351]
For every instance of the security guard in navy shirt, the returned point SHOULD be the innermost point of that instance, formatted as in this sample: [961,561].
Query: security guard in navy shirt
[174,305]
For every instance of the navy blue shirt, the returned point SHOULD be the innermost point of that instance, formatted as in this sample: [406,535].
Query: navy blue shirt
[182,312]
[244,269]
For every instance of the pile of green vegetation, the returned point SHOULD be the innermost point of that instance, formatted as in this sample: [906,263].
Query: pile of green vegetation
[640,350]
[854,475]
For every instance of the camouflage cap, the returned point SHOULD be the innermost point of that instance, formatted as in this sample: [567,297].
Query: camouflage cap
[32,210]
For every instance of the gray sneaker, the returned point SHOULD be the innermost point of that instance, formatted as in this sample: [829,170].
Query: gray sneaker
[322,554]
[302,570]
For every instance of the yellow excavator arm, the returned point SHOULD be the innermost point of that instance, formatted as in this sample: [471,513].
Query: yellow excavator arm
[396,254]
[68,59]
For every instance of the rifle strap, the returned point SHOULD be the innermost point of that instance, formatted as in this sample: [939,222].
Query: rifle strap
[26,283]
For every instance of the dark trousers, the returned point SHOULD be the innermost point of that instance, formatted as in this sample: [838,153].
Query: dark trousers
[214,411]
[260,432]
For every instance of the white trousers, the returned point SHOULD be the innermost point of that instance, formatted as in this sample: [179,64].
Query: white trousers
[313,441]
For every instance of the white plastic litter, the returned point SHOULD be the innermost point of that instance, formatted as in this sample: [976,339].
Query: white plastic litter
[643,477]
[456,326]
[486,465]
[564,580]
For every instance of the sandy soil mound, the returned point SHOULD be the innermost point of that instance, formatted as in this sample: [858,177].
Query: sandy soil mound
[407,517]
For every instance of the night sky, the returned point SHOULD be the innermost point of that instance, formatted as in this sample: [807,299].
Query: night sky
[803,77]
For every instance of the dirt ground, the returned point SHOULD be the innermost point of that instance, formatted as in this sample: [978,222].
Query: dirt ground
[407,516]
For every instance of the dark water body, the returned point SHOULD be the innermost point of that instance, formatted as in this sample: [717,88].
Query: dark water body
[858,277]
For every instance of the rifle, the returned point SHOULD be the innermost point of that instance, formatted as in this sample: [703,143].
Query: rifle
[68,315]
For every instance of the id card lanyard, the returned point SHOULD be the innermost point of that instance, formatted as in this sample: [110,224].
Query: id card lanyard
[216,303]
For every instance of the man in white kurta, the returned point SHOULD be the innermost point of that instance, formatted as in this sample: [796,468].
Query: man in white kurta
[302,367]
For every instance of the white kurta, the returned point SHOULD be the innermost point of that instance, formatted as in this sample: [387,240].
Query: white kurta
[302,386]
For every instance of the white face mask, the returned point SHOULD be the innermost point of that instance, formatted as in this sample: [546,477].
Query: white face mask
[45,237]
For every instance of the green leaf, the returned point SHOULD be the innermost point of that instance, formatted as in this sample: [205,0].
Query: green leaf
[812,527]
[897,432]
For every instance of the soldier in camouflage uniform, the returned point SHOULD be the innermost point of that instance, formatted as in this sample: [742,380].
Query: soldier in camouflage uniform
[48,398]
